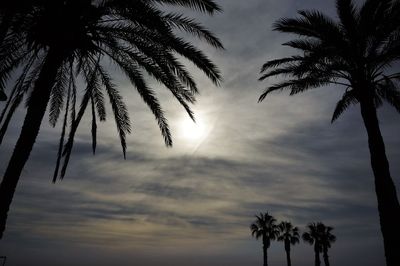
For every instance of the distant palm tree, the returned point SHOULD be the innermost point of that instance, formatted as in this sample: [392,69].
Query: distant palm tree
[321,237]
[265,227]
[356,52]
[289,234]
[59,41]
[327,238]
[312,237]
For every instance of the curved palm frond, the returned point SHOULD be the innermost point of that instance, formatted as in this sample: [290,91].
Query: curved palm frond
[349,98]
[201,5]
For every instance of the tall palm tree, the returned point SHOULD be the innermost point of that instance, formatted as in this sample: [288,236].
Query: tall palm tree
[312,237]
[289,234]
[327,238]
[356,53]
[59,41]
[265,227]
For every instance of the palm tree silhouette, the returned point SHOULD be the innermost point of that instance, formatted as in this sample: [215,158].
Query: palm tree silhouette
[289,234]
[59,41]
[265,227]
[321,237]
[312,237]
[326,238]
[356,52]
[10,12]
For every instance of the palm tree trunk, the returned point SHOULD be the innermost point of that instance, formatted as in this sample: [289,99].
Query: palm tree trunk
[326,257]
[289,261]
[317,258]
[36,109]
[388,204]
[287,249]
[265,253]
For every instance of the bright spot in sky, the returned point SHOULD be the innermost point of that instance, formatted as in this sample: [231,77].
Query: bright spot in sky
[193,130]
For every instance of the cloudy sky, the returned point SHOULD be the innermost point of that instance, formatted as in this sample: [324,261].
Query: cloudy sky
[192,204]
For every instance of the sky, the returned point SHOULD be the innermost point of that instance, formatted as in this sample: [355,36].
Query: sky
[192,204]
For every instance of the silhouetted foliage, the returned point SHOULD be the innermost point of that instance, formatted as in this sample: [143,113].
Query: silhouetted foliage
[357,53]
[289,235]
[321,237]
[265,227]
[10,12]
[327,238]
[55,42]
[312,237]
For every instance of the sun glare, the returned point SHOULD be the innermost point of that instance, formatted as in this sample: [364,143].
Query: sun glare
[193,130]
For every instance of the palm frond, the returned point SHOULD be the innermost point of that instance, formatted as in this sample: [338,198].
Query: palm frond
[94,126]
[58,95]
[305,45]
[92,83]
[64,126]
[278,62]
[349,18]
[390,92]
[312,24]
[16,101]
[201,5]
[197,57]
[349,98]
[119,108]
[191,26]
[296,85]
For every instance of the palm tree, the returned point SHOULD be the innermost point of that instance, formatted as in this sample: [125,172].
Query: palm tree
[312,237]
[265,227]
[356,53]
[327,238]
[289,234]
[59,41]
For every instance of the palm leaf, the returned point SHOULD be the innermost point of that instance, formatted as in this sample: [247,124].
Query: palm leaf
[348,99]
[201,5]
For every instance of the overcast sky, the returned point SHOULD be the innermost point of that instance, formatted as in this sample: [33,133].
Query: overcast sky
[192,205]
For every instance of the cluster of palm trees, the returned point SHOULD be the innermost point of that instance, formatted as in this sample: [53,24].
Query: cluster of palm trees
[265,227]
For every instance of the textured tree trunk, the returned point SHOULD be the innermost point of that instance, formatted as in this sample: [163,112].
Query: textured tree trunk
[265,253]
[287,249]
[326,257]
[388,204]
[37,107]
[265,250]
[317,258]
[289,261]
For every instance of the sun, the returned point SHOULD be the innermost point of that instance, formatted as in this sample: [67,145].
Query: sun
[191,130]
